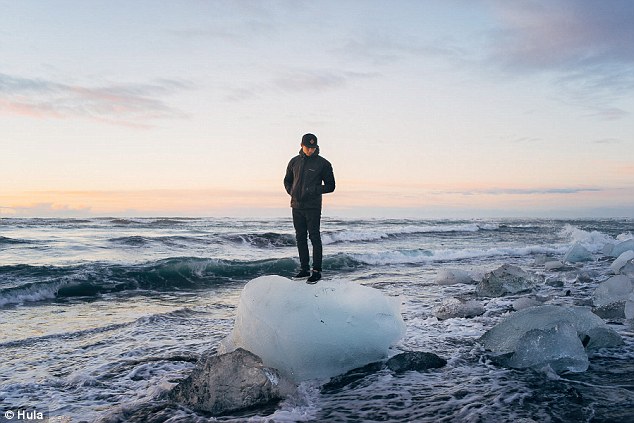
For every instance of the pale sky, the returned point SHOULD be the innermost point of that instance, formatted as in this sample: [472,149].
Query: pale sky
[442,108]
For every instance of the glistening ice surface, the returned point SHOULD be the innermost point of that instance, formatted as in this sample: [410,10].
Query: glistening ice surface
[315,331]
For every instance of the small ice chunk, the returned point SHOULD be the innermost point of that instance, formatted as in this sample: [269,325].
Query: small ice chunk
[607,249]
[597,338]
[505,337]
[314,331]
[622,247]
[629,307]
[526,302]
[577,253]
[614,290]
[454,307]
[507,279]
[453,276]
[552,265]
[559,347]
[621,261]
[585,276]
[628,269]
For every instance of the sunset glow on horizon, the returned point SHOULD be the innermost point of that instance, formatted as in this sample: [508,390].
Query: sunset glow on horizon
[425,108]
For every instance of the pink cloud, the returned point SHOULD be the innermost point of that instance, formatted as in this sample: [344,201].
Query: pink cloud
[128,105]
[27,109]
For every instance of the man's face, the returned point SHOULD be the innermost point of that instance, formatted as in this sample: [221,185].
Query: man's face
[307,150]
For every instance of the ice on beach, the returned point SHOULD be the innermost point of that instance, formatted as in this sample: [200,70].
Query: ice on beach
[614,290]
[628,269]
[621,261]
[314,331]
[622,247]
[577,253]
[507,279]
[511,337]
[629,307]
[552,265]
[453,276]
[526,302]
[558,347]
[454,307]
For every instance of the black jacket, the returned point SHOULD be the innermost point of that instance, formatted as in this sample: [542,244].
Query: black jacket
[304,177]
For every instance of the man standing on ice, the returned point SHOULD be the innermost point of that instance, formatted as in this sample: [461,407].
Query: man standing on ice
[308,176]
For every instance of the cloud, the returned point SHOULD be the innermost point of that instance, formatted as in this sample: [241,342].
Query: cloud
[297,81]
[525,191]
[320,80]
[121,104]
[237,33]
[382,48]
[627,170]
[241,23]
[46,209]
[608,141]
[567,34]
[149,202]
[527,140]
[586,44]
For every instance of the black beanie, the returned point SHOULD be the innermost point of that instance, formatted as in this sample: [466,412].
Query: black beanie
[309,140]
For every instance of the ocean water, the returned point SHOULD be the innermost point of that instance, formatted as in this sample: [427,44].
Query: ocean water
[100,317]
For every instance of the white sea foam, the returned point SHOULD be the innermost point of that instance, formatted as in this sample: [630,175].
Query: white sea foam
[352,236]
[594,241]
[374,235]
[424,256]
[299,407]
[30,294]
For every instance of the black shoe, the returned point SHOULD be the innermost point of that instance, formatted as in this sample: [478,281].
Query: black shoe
[314,277]
[302,274]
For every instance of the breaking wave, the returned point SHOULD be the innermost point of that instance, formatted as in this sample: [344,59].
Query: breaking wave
[403,231]
[25,283]
[425,256]
[593,240]
[265,240]
[10,241]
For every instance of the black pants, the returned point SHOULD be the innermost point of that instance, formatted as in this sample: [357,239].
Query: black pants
[307,221]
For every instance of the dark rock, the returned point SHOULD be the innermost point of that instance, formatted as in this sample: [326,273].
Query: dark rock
[556,283]
[351,377]
[229,382]
[615,310]
[400,363]
[415,360]
[507,279]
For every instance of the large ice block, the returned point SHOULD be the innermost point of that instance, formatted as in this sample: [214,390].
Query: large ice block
[315,331]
